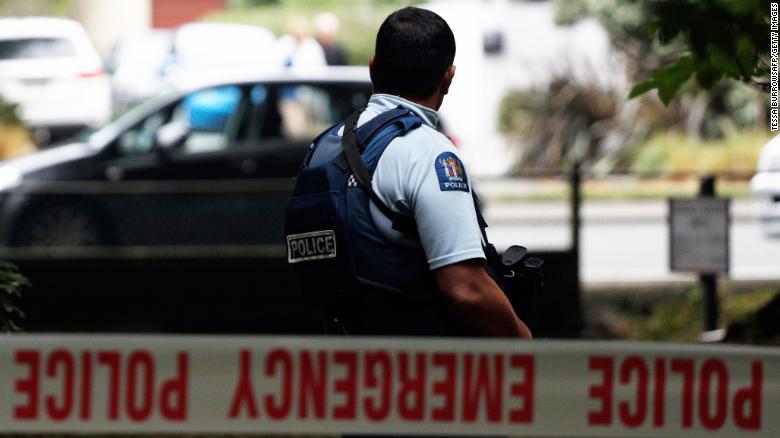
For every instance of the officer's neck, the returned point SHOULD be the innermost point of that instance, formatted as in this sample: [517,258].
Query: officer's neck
[433,102]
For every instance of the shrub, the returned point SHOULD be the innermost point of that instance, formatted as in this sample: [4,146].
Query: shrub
[11,285]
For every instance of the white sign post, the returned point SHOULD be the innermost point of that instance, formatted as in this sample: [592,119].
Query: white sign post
[699,242]
[699,233]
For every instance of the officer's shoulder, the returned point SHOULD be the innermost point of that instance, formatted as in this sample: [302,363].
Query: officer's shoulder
[427,140]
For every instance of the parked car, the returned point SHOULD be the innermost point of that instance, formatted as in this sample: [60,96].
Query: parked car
[210,164]
[51,69]
[143,63]
[765,186]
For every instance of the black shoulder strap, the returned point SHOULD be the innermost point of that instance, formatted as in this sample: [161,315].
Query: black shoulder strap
[404,224]
[480,218]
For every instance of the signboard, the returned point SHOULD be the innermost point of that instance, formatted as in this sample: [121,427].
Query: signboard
[337,385]
[699,235]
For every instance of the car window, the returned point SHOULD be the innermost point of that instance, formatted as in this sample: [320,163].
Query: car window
[25,48]
[213,116]
[140,139]
[299,112]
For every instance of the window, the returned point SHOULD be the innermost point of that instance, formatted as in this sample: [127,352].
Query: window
[36,48]
[140,139]
[213,116]
[299,112]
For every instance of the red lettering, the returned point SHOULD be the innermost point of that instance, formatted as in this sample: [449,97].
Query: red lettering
[636,365]
[60,359]
[602,391]
[346,386]
[85,410]
[244,394]
[483,388]
[685,367]
[313,384]
[29,385]
[378,408]
[411,396]
[111,360]
[279,358]
[717,368]
[659,393]
[173,394]
[747,401]
[445,387]
[524,390]
[140,363]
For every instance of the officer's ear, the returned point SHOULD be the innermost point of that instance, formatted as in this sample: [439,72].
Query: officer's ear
[371,68]
[447,80]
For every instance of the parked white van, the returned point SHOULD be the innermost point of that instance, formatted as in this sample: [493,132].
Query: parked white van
[765,185]
[51,69]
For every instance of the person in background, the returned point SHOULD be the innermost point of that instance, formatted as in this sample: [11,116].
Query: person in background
[298,50]
[327,27]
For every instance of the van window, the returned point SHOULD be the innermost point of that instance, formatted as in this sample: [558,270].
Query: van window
[26,48]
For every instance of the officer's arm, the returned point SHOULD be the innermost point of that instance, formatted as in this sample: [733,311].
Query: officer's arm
[477,302]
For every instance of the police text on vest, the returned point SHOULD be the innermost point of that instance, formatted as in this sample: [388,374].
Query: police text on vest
[316,245]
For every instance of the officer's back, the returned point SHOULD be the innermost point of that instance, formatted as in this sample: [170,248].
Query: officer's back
[394,244]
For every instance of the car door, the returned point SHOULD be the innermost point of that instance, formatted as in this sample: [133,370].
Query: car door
[175,197]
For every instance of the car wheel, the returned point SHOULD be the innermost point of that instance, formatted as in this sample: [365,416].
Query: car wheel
[60,225]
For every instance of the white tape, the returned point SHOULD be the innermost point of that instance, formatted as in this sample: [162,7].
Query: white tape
[226,384]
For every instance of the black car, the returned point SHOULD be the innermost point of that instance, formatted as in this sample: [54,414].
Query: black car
[210,165]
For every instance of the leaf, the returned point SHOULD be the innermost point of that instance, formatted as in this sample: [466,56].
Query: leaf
[672,77]
[642,88]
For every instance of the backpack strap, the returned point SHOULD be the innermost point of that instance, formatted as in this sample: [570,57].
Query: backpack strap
[402,223]
[491,254]
[316,142]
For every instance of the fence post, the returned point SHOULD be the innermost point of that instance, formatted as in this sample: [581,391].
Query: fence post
[709,281]
[575,202]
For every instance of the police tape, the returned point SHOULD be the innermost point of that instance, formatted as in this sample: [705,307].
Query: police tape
[232,384]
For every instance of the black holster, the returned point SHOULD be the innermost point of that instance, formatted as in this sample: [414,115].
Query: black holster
[520,277]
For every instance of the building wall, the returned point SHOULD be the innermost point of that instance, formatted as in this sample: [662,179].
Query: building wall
[172,13]
[107,21]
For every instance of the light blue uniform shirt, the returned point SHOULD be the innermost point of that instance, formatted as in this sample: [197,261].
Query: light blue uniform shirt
[420,175]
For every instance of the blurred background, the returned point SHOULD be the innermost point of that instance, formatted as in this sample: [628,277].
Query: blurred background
[148,148]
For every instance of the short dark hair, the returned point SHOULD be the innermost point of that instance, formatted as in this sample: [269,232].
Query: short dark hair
[414,48]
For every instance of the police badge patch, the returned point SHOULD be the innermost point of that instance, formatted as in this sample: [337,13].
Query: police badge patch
[452,175]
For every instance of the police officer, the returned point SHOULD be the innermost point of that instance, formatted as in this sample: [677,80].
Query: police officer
[419,175]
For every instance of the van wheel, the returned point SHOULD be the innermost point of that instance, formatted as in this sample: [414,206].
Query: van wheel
[60,225]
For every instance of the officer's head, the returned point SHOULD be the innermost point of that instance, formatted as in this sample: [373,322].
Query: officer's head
[413,58]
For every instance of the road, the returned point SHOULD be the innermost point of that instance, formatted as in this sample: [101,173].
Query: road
[628,241]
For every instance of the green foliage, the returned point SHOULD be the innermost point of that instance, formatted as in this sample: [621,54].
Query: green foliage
[722,39]
[11,285]
[674,42]
[674,153]
[360,19]
[35,7]
[565,122]
[8,113]
[678,318]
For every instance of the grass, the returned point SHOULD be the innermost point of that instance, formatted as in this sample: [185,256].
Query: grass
[618,188]
[675,153]
[678,318]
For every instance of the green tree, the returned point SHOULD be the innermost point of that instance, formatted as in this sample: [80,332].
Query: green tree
[672,42]
[720,39]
